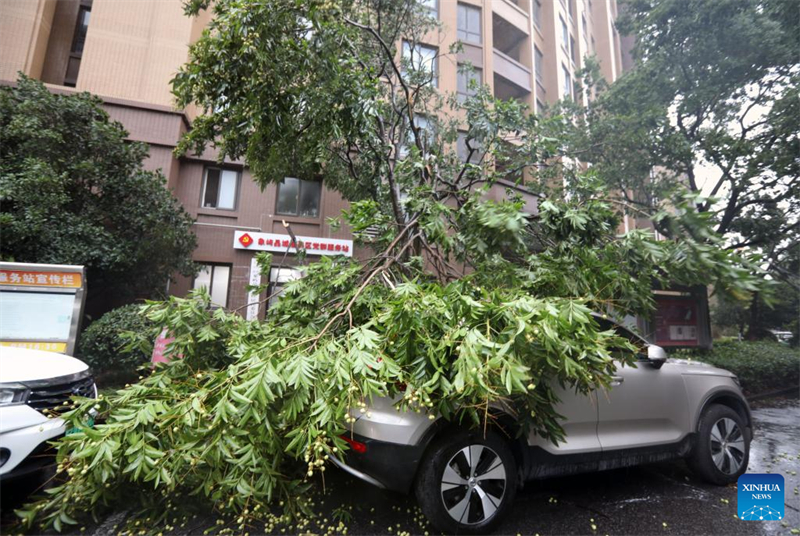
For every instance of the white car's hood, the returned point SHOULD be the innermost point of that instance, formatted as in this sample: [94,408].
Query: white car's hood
[22,365]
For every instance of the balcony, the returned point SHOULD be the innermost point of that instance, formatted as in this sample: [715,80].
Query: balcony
[511,48]
[511,78]
[511,14]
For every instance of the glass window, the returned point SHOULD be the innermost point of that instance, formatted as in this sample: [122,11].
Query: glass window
[76,50]
[539,64]
[220,188]
[73,66]
[426,128]
[468,82]
[469,24]
[278,277]
[81,27]
[215,278]
[573,50]
[297,197]
[537,13]
[432,6]
[463,150]
[421,59]
[539,106]
[567,89]
[585,27]
[620,331]
[564,34]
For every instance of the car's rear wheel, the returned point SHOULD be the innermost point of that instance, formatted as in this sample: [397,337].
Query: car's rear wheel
[722,451]
[467,482]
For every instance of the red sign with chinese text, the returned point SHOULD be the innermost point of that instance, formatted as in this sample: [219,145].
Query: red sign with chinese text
[40,279]
[280,243]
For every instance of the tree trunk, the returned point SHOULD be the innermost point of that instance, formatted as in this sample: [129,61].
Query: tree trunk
[754,331]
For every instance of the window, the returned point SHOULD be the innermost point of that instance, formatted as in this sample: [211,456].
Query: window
[564,34]
[537,14]
[421,59]
[220,188]
[567,89]
[432,6]
[78,42]
[539,64]
[469,24]
[621,331]
[462,150]
[571,8]
[539,106]
[278,277]
[573,50]
[215,278]
[81,28]
[297,197]
[585,27]
[468,81]
[426,128]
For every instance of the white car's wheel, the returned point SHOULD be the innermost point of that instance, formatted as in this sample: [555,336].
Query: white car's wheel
[467,482]
[722,451]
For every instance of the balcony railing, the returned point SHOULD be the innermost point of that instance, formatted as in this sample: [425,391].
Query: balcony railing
[512,13]
[512,71]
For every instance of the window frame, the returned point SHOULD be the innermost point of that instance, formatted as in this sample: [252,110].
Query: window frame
[466,31]
[77,55]
[417,66]
[564,34]
[427,127]
[538,65]
[475,73]
[297,214]
[432,9]
[237,188]
[478,155]
[213,266]
[276,286]
[573,50]
[567,90]
[537,14]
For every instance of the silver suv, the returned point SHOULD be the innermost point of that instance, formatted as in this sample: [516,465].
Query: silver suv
[465,480]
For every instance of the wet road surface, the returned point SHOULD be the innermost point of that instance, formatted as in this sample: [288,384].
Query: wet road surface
[663,499]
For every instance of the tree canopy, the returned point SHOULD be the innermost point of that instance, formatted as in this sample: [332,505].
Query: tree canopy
[73,191]
[468,307]
[711,105]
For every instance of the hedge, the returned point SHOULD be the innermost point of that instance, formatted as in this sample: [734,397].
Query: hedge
[762,366]
[102,344]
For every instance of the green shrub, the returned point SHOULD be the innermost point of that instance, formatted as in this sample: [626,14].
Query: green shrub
[102,344]
[761,366]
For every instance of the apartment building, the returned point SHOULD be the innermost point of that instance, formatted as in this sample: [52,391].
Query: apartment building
[126,52]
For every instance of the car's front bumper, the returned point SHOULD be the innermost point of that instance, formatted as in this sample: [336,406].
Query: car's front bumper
[24,430]
[391,466]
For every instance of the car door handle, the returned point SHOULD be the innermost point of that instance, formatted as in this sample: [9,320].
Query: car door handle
[616,380]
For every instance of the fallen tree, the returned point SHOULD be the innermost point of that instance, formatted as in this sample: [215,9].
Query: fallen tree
[467,302]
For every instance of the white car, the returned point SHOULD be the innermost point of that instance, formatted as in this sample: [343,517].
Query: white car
[32,381]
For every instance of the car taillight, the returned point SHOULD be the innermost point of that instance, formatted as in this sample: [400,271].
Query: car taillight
[357,446]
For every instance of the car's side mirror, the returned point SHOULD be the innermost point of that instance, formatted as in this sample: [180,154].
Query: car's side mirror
[656,355]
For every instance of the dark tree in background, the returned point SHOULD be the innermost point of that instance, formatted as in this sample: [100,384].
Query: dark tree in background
[711,106]
[73,191]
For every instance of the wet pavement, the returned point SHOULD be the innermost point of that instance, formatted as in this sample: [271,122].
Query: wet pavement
[664,498]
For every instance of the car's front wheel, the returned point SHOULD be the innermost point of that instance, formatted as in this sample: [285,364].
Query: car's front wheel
[722,451]
[467,482]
